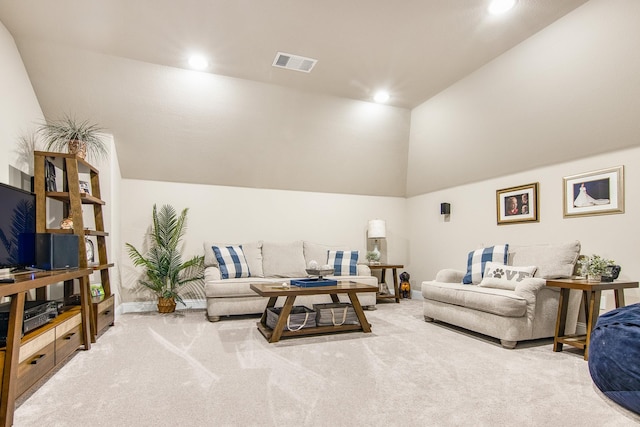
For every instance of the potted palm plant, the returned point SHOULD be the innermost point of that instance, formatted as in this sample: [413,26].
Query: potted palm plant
[81,138]
[166,272]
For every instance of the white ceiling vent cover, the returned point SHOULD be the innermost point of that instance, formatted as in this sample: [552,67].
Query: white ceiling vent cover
[294,62]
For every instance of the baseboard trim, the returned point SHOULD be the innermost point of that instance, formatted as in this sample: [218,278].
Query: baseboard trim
[142,306]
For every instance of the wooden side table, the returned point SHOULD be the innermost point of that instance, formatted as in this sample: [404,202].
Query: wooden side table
[383,268]
[591,293]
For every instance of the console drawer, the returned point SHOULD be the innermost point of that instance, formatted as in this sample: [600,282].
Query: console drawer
[68,337]
[37,357]
[103,315]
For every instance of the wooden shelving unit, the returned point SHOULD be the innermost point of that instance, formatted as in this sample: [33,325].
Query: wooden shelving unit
[73,201]
[26,359]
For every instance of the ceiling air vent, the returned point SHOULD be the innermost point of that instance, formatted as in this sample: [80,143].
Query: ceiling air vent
[294,62]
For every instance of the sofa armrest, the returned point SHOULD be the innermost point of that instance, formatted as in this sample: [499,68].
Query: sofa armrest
[212,273]
[449,275]
[363,270]
[528,288]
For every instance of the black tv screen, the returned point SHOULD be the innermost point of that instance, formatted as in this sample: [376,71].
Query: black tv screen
[17,227]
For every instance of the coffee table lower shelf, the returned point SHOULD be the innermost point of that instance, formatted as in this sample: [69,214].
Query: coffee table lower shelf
[343,287]
[267,332]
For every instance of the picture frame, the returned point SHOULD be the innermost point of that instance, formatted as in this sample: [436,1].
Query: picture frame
[49,176]
[599,192]
[84,187]
[518,204]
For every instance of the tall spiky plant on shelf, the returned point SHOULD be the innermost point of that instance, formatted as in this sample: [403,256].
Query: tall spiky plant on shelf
[166,272]
[81,138]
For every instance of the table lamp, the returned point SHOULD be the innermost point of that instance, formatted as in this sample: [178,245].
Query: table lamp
[377,229]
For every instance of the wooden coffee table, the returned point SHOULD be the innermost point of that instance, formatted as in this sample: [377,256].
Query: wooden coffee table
[275,290]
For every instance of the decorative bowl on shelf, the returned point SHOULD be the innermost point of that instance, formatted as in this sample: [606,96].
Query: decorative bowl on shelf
[320,272]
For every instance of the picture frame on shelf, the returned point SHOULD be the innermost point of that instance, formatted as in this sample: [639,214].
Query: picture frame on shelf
[599,192]
[90,248]
[96,289]
[49,176]
[84,187]
[518,204]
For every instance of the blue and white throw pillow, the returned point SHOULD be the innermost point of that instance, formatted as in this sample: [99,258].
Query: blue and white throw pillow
[477,260]
[232,262]
[345,263]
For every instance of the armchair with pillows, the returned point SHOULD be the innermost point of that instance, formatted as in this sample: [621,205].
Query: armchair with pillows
[503,292]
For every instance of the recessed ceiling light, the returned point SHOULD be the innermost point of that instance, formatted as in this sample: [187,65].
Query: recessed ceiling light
[381,97]
[498,7]
[198,62]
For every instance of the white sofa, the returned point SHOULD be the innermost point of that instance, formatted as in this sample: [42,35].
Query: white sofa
[272,262]
[524,309]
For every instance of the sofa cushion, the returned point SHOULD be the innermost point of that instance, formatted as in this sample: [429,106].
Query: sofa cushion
[252,253]
[477,260]
[554,261]
[234,287]
[502,276]
[283,259]
[344,263]
[231,261]
[497,301]
[319,253]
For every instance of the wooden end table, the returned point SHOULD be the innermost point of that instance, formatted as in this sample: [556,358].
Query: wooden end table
[383,268]
[275,290]
[591,293]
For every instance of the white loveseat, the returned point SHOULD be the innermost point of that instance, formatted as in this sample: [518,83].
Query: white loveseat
[272,262]
[524,309]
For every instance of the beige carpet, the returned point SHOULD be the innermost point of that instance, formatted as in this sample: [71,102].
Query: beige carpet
[179,369]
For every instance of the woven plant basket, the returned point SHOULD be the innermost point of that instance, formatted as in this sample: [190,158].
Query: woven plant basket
[79,148]
[166,305]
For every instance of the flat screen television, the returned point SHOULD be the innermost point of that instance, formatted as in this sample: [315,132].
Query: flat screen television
[17,228]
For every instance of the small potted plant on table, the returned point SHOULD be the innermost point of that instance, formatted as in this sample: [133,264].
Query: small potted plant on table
[594,266]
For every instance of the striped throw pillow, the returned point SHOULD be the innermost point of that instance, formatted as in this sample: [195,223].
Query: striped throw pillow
[478,259]
[344,262]
[232,262]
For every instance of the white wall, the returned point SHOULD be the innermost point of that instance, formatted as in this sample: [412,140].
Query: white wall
[20,112]
[237,215]
[437,243]
[569,91]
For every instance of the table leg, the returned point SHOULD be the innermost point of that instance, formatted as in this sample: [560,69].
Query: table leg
[88,335]
[561,319]
[355,302]
[592,318]
[270,304]
[396,287]
[282,319]
[619,295]
[334,298]
[11,359]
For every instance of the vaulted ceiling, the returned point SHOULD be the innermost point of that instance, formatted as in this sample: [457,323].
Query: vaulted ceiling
[241,121]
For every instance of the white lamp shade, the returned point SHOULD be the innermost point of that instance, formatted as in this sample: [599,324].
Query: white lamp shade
[377,229]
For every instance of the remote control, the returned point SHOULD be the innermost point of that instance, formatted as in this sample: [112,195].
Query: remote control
[7,280]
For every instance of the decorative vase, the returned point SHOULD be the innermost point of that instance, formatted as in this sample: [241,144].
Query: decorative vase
[166,305]
[67,223]
[77,147]
[594,277]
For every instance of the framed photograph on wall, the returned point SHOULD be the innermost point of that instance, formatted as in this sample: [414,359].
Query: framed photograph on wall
[517,204]
[594,193]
